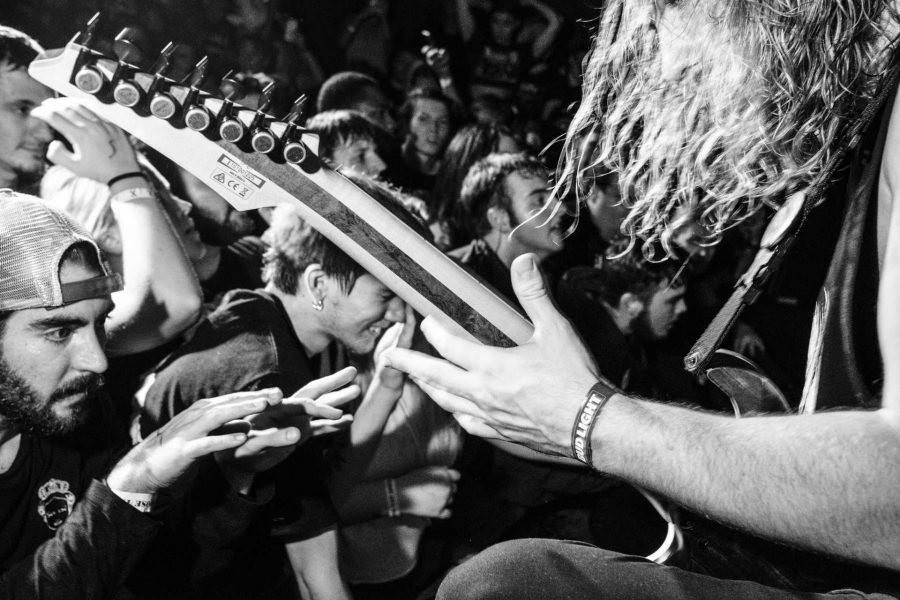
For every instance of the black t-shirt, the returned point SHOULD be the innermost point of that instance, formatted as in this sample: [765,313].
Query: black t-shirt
[497,70]
[39,491]
[248,343]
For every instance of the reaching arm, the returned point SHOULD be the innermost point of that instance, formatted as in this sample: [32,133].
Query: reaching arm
[315,565]
[828,482]
[465,19]
[157,303]
[542,43]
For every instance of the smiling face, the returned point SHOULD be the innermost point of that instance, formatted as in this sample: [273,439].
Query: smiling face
[52,360]
[357,318]
[528,196]
[23,138]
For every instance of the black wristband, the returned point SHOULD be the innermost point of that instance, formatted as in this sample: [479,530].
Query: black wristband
[126,176]
[597,397]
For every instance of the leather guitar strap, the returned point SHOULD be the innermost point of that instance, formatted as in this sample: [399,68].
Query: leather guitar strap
[782,230]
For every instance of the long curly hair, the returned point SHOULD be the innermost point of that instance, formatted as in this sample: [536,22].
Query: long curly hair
[766,94]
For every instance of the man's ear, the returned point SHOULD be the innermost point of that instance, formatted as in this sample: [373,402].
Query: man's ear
[314,281]
[498,219]
[110,241]
[631,304]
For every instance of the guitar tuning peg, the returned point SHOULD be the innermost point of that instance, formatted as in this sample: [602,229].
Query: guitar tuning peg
[163,63]
[126,50]
[231,129]
[198,73]
[261,137]
[294,150]
[265,97]
[231,88]
[85,37]
[162,104]
[127,92]
[297,108]
[88,78]
[197,116]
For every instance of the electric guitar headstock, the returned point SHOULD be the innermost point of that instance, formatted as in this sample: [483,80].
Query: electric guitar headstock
[254,159]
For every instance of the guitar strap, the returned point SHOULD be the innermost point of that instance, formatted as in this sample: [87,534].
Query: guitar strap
[781,233]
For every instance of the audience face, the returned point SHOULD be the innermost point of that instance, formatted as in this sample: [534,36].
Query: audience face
[662,311]
[376,106]
[23,138]
[604,203]
[357,318]
[179,212]
[429,126]
[504,27]
[52,361]
[360,155]
[528,196]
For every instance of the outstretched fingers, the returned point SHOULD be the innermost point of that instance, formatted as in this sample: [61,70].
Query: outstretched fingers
[531,290]
[320,386]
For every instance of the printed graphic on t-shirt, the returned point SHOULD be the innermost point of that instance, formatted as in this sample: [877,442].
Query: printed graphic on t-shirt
[56,502]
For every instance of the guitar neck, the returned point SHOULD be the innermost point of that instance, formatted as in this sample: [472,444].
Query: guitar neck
[380,242]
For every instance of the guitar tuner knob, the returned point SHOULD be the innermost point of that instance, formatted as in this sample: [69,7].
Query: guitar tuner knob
[231,130]
[295,152]
[263,141]
[128,93]
[163,106]
[89,79]
[198,118]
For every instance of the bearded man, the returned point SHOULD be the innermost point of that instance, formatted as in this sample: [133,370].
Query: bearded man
[719,108]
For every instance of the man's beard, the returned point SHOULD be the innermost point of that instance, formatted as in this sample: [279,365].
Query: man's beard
[23,409]
[765,102]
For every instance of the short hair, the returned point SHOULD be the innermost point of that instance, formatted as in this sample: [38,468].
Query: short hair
[485,185]
[624,270]
[294,244]
[17,49]
[344,90]
[409,105]
[335,127]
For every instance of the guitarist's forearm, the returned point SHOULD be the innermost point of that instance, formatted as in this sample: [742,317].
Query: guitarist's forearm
[828,482]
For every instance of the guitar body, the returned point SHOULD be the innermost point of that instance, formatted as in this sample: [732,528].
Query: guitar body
[382,244]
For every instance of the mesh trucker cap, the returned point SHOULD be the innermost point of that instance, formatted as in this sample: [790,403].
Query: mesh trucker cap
[33,240]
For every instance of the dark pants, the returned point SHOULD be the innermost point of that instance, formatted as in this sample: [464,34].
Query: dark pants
[550,569]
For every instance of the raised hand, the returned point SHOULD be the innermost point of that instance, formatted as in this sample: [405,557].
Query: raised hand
[529,394]
[162,459]
[100,150]
[274,433]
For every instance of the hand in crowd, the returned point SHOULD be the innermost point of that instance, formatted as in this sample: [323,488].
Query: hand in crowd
[518,394]
[274,433]
[162,459]
[427,491]
[400,335]
[100,150]
[439,61]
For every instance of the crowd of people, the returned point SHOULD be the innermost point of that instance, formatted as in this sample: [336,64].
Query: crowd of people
[201,402]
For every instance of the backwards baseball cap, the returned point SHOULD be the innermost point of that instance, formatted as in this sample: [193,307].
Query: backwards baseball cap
[33,240]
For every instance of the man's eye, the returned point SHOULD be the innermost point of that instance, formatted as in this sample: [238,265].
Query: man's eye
[58,336]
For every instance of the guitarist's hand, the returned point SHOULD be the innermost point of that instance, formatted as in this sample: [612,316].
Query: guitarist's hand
[100,150]
[530,394]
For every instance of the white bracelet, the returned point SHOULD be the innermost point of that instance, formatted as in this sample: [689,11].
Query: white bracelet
[141,501]
[132,194]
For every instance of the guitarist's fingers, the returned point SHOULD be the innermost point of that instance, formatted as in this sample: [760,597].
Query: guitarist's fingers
[468,355]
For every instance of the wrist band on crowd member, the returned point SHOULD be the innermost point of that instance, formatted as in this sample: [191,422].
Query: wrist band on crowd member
[393,499]
[117,178]
[132,194]
[597,397]
[141,501]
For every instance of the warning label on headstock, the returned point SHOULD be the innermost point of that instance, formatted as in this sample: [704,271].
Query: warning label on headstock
[236,178]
